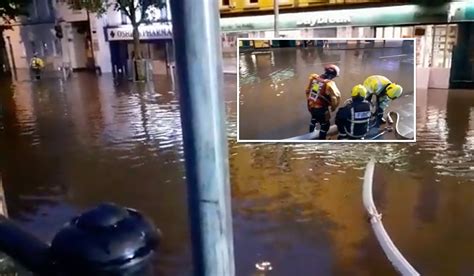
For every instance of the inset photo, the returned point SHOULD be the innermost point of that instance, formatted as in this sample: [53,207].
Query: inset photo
[335,90]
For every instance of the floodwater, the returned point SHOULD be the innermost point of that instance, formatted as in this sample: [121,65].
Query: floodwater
[273,82]
[68,146]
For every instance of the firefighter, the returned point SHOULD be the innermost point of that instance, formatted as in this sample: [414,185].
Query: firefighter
[321,94]
[353,119]
[384,91]
[36,65]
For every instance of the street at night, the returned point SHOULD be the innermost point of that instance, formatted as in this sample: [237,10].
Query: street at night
[70,145]
[236,138]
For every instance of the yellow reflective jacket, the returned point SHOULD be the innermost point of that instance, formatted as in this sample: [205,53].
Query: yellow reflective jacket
[376,84]
[37,63]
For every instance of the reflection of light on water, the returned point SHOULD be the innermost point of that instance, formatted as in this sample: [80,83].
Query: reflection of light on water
[264,266]
[390,64]
[469,146]
[433,138]
[245,75]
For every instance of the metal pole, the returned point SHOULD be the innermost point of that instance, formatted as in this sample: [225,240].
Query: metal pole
[200,83]
[12,57]
[276,10]
[92,41]
[3,202]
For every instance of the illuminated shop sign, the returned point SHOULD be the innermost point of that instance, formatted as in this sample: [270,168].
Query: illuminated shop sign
[323,20]
[381,16]
[146,32]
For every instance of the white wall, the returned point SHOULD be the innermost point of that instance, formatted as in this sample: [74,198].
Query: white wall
[78,45]
[439,78]
[101,47]
[19,53]
[112,17]
[63,11]
[422,77]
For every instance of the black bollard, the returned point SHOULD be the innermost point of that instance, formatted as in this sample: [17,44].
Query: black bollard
[24,248]
[107,240]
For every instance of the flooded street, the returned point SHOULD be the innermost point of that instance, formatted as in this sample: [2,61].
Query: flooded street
[68,146]
[273,82]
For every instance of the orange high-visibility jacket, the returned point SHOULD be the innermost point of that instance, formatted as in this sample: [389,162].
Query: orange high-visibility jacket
[322,93]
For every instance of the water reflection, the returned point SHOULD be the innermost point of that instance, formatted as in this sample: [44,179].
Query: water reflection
[296,207]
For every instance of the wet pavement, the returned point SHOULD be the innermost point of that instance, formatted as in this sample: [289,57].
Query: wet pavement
[68,146]
[272,84]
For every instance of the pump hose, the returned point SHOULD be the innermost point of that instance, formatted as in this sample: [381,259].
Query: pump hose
[391,251]
[396,122]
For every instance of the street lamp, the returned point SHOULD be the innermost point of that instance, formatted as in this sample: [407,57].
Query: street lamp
[276,11]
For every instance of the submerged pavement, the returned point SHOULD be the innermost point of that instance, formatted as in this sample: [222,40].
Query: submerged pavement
[66,146]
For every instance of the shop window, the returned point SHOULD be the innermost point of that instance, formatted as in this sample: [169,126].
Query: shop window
[379,32]
[388,32]
[407,32]
[444,37]
[397,32]
[158,50]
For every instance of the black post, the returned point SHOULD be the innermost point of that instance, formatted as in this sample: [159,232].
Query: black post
[92,45]
[12,58]
[198,55]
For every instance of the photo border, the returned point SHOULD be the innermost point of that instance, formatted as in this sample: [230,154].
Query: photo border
[324,141]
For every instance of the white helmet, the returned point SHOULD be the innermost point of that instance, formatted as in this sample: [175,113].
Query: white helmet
[332,70]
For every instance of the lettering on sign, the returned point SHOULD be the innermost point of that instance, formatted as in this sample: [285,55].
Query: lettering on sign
[324,20]
[153,32]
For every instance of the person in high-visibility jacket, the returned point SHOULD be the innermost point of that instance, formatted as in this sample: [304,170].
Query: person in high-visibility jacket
[353,119]
[385,91]
[36,65]
[321,94]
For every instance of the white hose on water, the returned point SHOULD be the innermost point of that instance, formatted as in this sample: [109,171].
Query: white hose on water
[391,251]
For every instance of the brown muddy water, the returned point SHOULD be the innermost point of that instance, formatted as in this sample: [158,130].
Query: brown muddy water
[68,146]
[272,82]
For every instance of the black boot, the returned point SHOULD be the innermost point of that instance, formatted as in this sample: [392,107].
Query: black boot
[322,135]
[342,137]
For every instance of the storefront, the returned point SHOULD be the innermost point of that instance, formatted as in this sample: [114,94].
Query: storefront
[435,34]
[155,41]
[461,14]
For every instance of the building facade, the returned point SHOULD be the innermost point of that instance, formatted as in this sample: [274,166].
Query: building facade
[33,34]
[442,33]
[155,40]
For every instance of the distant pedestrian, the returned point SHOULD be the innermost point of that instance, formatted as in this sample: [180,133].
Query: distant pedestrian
[36,65]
